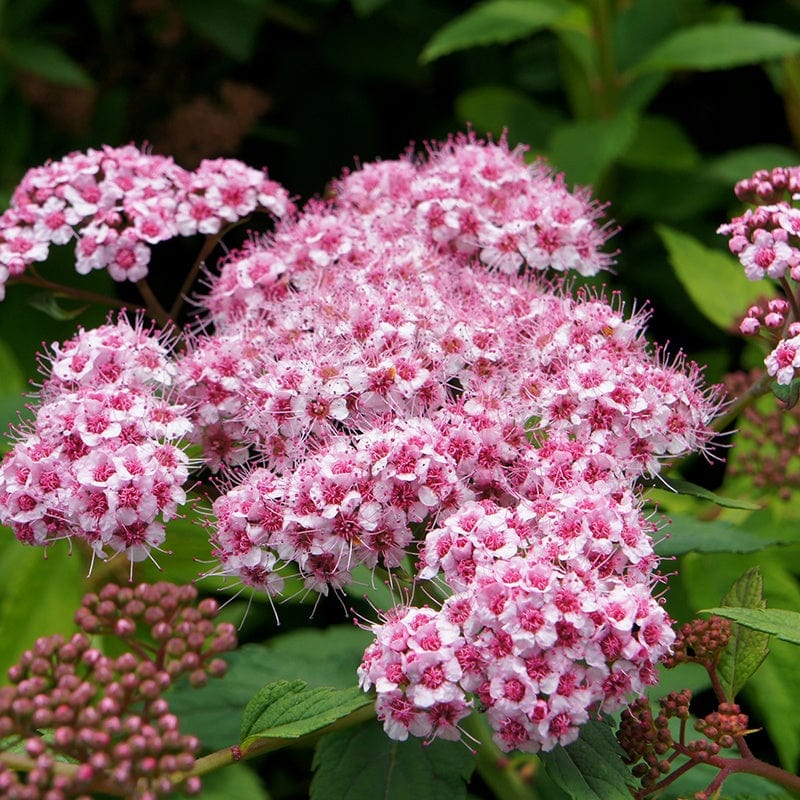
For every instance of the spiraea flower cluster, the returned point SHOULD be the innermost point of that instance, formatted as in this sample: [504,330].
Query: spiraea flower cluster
[116,202]
[766,240]
[390,380]
[108,723]
[101,461]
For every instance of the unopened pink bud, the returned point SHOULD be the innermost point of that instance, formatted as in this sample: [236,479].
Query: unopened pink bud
[779,305]
[774,320]
[749,326]
[124,628]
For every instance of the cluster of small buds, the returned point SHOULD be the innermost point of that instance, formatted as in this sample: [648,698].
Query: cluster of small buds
[106,716]
[772,317]
[647,740]
[768,186]
[116,202]
[724,725]
[771,437]
[700,641]
[101,461]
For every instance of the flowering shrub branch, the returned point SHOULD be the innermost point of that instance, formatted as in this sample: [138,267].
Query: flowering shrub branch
[648,740]
[392,382]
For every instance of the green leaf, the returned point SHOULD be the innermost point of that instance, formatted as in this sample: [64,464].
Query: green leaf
[233,26]
[746,649]
[586,149]
[721,46]
[47,303]
[496,108]
[686,534]
[327,657]
[660,145]
[779,622]
[39,595]
[236,780]
[363,763]
[590,768]
[47,61]
[364,8]
[788,394]
[495,22]
[702,271]
[12,381]
[776,686]
[693,490]
[289,710]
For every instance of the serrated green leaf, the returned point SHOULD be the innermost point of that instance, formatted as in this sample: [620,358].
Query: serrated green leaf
[363,763]
[702,270]
[680,486]
[686,534]
[590,768]
[746,649]
[47,61]
[327,657]
[774,689]
[779,622]
[586,149]
[289,710]
[721,46]
[495,22]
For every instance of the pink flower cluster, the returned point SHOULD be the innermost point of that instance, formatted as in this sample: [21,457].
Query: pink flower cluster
[551,615]
[389,376]
[116,202]
[101,461]
[766,240]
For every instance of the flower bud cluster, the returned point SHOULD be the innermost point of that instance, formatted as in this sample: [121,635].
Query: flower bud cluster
[772,317]
[771,448]
[700,641]
[102,460]
[647,740]
[106,716]
[117,202]
[724,725]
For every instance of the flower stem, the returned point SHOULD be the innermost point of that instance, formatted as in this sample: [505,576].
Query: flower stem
[494,766]
[758,389]
[602,21]
[32,278]
[205,251]
[154,308]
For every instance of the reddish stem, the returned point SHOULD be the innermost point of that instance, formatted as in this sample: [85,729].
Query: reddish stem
[32,278]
